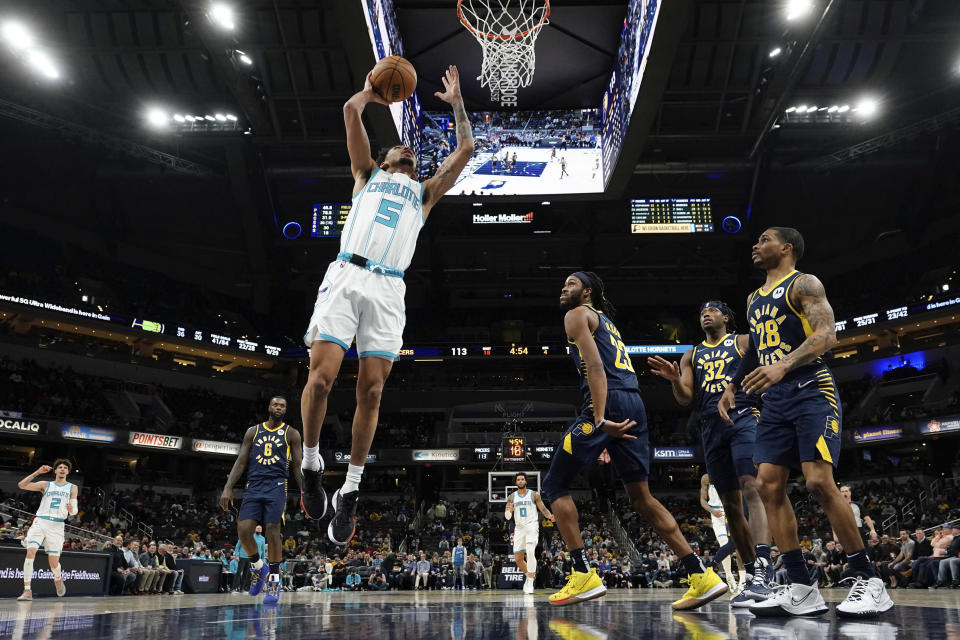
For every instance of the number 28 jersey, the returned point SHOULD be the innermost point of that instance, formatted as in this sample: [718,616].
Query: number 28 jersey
[385,219]
[776,327]
[613,354]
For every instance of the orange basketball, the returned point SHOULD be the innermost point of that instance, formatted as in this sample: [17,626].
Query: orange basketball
[394,78]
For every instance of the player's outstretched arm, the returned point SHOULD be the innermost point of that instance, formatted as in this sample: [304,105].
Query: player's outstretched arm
[435,187]
[226,497]
[27,484]
[680,376]
[808,293]
[358,144]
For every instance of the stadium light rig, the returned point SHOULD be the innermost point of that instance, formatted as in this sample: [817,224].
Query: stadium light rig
[159,118]
[798,8]
[222,15]
[22,44]
[864,110]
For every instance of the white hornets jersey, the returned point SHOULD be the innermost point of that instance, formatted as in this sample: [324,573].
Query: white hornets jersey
[385,220]
[713,498]
[53,506]
[525,510]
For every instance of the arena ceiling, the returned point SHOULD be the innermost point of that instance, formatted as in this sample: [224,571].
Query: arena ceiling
[81,161]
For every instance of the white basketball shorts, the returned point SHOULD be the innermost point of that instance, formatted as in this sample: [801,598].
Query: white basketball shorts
[354,303]
[720,529]
[47,533]
[526,538]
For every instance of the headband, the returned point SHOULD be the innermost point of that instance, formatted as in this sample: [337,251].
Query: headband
[718,304]
[584,278]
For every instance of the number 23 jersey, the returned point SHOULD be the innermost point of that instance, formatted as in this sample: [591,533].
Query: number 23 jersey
[613,354]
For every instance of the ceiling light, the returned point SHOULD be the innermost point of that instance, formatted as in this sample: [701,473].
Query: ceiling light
[811,109]
[17,35]
[791,109]
[945,287]
[222,15]
[179,118]
[801,108]
[43,63]
[209,117]
[833,109]
[231,117]
[867,107]
[798,8]
[157,117]
[844,109]
[190,118]
[244,58]
[777,51]
[220,117]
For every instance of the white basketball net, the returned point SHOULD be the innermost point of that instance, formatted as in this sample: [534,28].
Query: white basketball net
[507,31]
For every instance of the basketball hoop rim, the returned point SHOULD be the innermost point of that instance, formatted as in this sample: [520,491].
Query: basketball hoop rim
[503,38]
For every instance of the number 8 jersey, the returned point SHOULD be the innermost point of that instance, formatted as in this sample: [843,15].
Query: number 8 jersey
[385,220]
[613,354]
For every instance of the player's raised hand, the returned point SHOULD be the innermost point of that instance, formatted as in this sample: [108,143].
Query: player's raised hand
[226,501]
[451,84]
[44,469]
[619,429]
[371,92]
[726,404]
[669,371]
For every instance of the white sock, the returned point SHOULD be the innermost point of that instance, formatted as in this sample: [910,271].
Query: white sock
[56,573]
[352,483]
[311,458]
[258,564]
[27,573]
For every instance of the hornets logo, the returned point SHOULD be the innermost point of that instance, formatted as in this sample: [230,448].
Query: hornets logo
[269,447]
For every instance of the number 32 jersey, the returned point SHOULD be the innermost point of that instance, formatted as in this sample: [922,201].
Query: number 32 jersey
[613,355]
[385,220]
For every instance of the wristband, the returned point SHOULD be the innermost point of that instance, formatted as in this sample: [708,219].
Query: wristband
[600,424]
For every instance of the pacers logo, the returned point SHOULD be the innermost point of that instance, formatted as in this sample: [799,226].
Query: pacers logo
[832,430]
[584,429]
[269,446]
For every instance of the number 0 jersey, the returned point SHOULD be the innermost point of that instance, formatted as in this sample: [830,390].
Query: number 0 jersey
[525,509]
[53,506]
[776,328]
[385,220]
[613,354]
[713,366]
[269,453]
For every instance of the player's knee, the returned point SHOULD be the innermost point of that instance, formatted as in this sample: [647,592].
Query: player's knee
[369,393]
[819,488]
[769,490]
[318,384]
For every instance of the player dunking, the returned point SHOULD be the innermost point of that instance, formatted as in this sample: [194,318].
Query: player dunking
[59,501]
[791,327]
[268,451]
[612,418]
[523,505]
[361,295]
[703,373]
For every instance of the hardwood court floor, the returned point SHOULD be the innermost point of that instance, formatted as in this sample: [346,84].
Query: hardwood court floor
[634,614]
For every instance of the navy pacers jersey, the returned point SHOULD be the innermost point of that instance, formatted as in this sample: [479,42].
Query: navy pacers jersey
[613,355]
[713,366]
[776,328]
[269,453]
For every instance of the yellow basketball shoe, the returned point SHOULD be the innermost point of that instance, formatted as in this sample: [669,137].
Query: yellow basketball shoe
[579,587]
[704,587]
[576,631]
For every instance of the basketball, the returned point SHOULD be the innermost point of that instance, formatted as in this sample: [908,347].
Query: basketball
[394,78]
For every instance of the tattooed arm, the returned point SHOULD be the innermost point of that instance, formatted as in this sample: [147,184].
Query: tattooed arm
[435,187]
[807,292]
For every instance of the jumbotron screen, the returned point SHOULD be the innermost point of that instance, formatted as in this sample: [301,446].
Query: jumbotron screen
[671,215]
[328,219]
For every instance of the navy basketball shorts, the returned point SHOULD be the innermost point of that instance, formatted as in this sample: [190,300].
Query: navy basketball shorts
[800,421]
[582,444]
[264,501]
[728,448]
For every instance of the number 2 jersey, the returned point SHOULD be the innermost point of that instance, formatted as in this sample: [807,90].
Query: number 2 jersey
[53,506]
[269,454]
[385,220]
[613,355]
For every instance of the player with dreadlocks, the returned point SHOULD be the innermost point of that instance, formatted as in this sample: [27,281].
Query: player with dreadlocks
[703,373]
[612,418]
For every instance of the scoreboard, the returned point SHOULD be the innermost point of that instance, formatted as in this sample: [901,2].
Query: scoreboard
[514,449]
[671,215]
[328,219]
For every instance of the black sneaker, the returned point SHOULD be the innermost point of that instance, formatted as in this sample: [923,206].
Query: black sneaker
[313,499]
[344,522]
